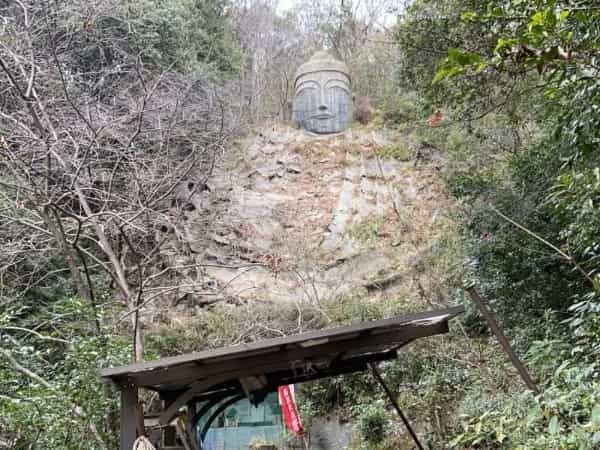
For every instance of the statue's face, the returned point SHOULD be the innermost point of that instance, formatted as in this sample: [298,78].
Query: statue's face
[323,102]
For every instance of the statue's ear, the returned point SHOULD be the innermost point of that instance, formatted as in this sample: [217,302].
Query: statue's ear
[353,97]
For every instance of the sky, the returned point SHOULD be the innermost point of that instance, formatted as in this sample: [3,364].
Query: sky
[388,19]
[285,5]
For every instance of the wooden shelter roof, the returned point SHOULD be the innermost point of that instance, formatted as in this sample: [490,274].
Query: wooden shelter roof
[269,363]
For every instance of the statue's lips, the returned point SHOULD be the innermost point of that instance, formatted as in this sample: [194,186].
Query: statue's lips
[322,116]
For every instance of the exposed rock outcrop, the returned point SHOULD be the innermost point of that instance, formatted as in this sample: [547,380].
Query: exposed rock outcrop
[292,217]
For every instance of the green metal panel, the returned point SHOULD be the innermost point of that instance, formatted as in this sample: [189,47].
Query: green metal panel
[240,424]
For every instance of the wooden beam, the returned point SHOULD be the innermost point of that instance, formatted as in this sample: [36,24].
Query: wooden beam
[129,411]
[345,366]
[486,312]
[285,359]
[253,384]
[196,388]
[267,346]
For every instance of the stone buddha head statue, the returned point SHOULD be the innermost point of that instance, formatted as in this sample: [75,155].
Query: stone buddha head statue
[323,99]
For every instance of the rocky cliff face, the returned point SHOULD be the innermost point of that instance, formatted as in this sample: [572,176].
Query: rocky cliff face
[293,217]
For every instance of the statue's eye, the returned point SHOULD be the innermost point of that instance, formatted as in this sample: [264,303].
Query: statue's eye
[339,98]
[338,91]
[306,92]
[307,98]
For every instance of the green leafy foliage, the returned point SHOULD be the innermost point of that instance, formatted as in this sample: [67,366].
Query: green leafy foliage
[51,394]
[372,423]
[398,150]
[192,35]
[458,62]
[564,416]
[531,73]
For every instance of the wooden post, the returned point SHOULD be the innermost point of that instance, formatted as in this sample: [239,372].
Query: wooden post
[129,412]
[491,320]
[393,401]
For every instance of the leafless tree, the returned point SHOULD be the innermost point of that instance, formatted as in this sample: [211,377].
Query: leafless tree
[345,26]
[272,48]
[100,151]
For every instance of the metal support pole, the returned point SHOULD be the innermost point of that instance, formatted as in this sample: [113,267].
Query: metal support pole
[491,320]
[392,399]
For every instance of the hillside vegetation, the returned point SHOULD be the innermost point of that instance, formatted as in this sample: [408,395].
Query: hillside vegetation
[155,199]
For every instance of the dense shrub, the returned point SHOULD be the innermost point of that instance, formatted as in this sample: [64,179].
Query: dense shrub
[363,111]
[521,163]
[372,421]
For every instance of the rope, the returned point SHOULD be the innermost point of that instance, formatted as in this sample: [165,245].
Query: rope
[142,443]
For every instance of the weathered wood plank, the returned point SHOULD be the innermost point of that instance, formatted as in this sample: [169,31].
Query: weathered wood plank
[129,411]
[289,359]
[270,345]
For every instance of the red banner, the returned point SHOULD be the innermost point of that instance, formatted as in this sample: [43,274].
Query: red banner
[290,410]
